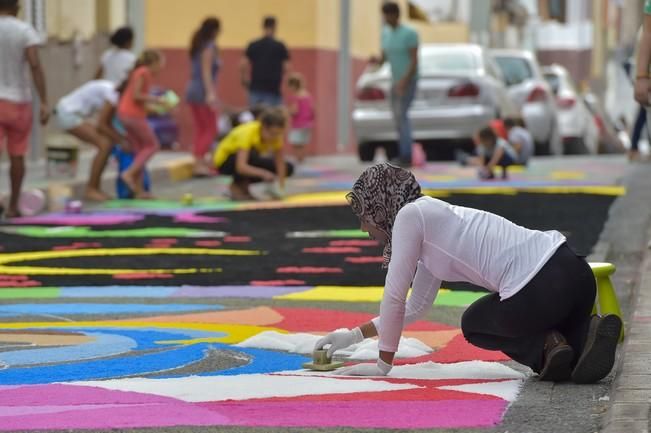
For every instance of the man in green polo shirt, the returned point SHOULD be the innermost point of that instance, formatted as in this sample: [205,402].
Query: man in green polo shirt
[400,49]
[642,78]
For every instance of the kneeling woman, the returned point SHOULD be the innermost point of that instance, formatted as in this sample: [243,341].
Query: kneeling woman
[253,152]
[539,313]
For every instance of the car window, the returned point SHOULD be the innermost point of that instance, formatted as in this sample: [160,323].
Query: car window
[560,82]
[493,70]
[447,62]
[554,82]
[515,70]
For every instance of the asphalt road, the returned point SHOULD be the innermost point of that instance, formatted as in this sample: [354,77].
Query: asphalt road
[541,407]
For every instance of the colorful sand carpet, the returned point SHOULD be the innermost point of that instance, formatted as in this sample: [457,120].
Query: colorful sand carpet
[138,315]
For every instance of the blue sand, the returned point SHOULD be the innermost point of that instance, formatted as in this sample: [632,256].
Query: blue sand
[105,345]
[105,369]
[164,358]
[148,339]
[263,361]
[117,291]
[95,309]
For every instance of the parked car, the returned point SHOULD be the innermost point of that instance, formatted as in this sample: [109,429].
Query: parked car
[577,126]
[460,90]
[533,97]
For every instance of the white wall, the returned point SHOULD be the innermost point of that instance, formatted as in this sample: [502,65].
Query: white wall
[551,35]
[117,13]
[67,18]
[440,10]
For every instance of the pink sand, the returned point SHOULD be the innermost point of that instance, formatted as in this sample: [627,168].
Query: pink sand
[366,414]
[79,220]
[75,407]
[192,218]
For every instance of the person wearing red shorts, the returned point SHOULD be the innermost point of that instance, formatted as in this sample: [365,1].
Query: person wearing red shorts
[18,51]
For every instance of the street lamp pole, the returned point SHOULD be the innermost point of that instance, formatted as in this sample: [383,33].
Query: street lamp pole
[343,77]
[34,14]
[136,19]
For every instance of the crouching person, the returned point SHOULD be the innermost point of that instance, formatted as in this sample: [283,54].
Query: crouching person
[253,152]
[494,151]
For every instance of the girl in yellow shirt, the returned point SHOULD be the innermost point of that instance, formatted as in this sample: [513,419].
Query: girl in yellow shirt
[253,152]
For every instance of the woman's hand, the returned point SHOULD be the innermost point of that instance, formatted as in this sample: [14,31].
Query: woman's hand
[339,340]
[44,114]
[381,368]
[642,85]
[211,100]
[269,176]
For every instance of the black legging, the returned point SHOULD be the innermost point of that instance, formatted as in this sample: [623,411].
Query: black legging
[228,167]
[638,127]
[560,297]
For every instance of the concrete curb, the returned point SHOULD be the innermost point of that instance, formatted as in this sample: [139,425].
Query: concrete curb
[624,242]
[631,405]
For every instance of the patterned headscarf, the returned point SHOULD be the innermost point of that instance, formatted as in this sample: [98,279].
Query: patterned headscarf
[379,193]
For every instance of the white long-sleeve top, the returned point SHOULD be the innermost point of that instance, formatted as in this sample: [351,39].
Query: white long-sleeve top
[433,241]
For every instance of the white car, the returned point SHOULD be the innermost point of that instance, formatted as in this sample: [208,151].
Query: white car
[577,124]
[459,91]
[533,96]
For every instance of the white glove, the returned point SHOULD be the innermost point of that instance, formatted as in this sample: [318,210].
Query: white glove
[379,369]
[339,340]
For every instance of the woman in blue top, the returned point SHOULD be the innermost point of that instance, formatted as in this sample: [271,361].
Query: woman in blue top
[201,93]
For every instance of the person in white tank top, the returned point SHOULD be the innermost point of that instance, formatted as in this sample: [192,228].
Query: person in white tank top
[74,114]
[539,313]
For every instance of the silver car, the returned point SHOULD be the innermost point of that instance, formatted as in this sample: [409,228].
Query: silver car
[459,91]
[533,97]
[577,125]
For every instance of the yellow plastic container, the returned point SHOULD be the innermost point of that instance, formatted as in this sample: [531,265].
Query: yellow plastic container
[606,301]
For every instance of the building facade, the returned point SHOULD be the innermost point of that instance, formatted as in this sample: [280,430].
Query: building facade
[77,33]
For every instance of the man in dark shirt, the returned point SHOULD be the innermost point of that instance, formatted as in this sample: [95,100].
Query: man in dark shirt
[262,69]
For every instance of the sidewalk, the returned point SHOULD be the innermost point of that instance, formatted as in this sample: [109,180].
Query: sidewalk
[624,243]
[164,167]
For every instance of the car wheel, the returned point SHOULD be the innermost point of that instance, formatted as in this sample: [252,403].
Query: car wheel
[366,151]
[555,142]
[391,150]
[543,148]
[431,152]
[575,146]
[442,150]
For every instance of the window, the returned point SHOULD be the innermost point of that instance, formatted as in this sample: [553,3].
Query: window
[444,61]
[514,69]
[553,10]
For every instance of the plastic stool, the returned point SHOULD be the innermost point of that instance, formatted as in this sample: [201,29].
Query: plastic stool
[606,301]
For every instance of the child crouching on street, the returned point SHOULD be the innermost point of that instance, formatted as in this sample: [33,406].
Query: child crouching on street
[494,151]
[253,152]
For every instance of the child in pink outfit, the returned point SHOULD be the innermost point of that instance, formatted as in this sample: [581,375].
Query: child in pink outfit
[301,108]
[133,107]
